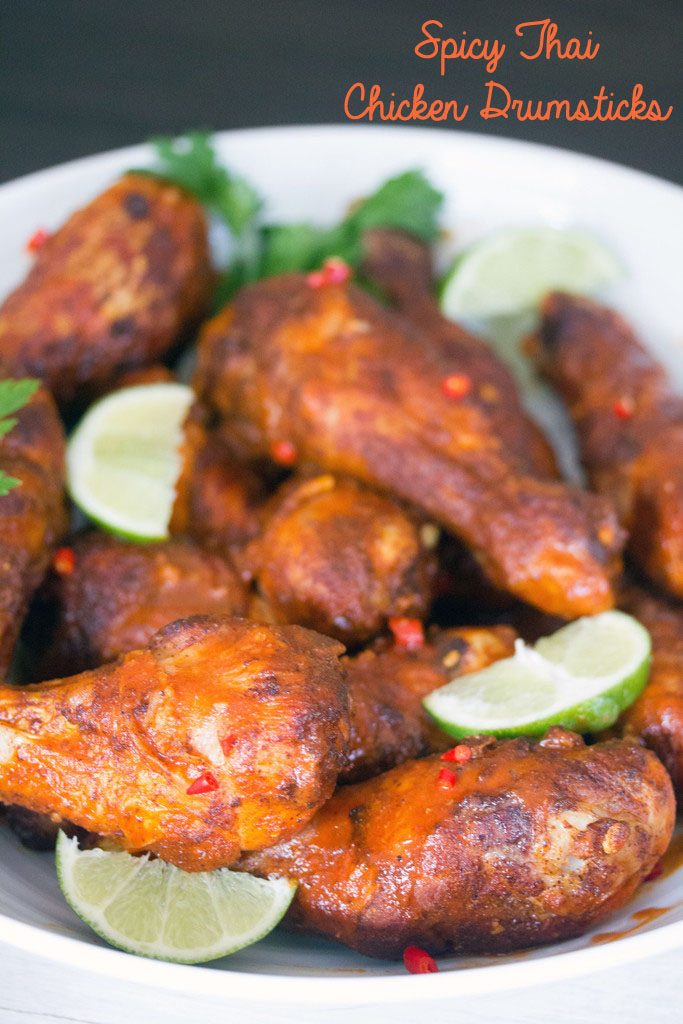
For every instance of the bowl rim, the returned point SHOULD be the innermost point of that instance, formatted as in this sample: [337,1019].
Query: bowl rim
[349,988]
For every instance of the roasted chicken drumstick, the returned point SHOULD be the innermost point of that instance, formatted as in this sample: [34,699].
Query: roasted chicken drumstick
[107,596]
[32,515]
[218,496]
[111,290]
[657,715]
[340,559]
[630,426]
[524,844]
[356,389]
[222,735]
[401,265]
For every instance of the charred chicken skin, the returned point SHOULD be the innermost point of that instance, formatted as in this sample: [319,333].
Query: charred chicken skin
[356,389]
[32,515]
[387,685]
[340,559]
[657,715]
[533,843]
[219,497]
[111,290]
[107,596]
[221,736]
[401,265]
[630,426]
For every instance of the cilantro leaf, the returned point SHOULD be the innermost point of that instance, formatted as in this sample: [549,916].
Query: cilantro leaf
[190,161]
[14,394]
[7,483]
[6,425]
[290,247]
[407,202]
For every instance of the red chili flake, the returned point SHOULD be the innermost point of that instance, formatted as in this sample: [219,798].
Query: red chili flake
[657,872]
[447,779]
[336,270]
[204,783]
[333,271]
[37,240]
[408,633]
[623,408]
[457,385]
[417,961]
[460,754]
[227,743]
[64,561]
[283,452]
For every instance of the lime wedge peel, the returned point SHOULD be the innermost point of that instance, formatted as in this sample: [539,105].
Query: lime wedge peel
[123,459]
[581,677]
[509,272]
[150,908]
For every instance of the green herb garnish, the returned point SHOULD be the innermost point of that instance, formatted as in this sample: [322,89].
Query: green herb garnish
[191,162]
[14,394]
[407,202]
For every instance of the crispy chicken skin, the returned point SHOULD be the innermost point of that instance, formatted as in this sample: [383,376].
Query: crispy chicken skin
[630,426]
[386,687]
[657,715]
[32,515]
[253,716]
[535,843]
[357,390]
[340,559]
[117,595]
[401,265]
[219,497]
[111,290]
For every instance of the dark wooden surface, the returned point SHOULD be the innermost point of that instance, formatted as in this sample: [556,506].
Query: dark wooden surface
[78,76]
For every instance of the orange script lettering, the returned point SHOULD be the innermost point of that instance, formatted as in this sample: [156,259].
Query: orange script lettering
[549,45]
[447,48]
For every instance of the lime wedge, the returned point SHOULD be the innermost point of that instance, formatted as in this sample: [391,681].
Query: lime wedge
[510,272]
[581,677]
[123,459]
[150,908]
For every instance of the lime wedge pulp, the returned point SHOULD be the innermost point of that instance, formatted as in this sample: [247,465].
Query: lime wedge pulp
[123,459]
[150,908]
[510,271]
[581,677]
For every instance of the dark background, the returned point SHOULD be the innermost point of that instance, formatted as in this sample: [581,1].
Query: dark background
[78,76]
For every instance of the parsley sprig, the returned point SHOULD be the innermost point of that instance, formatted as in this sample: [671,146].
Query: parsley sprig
[408,202]
[191,162]
[14,394]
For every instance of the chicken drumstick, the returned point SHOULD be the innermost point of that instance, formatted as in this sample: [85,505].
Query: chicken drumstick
[32,515]
[657,715]
[630,426]
[111,290]
[222,735]
[354,388]
[341,559]
[524,844]
[401,265]
[111,596]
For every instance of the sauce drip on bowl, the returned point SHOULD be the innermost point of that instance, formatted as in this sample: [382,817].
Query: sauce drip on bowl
[641,918]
